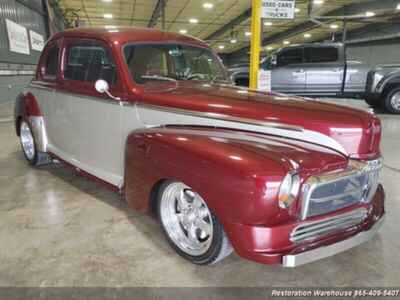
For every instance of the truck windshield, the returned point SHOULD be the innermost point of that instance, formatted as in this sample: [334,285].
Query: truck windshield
[172,62]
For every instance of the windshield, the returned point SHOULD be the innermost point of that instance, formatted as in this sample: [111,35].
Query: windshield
[172,62]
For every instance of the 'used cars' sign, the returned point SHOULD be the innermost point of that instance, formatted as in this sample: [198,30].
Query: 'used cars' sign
[278,9]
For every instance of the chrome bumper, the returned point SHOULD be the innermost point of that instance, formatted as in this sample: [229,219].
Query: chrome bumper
[291,261]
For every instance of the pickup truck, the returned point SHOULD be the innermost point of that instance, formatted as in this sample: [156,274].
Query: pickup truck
[322,70]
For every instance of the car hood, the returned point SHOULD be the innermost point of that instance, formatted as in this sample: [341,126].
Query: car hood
[352,132]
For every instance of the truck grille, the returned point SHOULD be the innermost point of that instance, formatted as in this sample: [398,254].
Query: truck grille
[316,229]
[332,192]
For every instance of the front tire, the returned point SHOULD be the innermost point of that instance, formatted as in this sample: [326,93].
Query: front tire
[192,230]
[34,157]
[392,101]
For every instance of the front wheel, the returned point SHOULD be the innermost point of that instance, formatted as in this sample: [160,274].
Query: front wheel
[34,157]
[392,101]
[191,228]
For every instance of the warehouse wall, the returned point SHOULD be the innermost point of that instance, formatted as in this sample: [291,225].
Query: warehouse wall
[16,70]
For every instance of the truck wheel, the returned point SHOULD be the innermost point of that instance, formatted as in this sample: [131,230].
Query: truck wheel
[192,230]
[34,157]
[392,101]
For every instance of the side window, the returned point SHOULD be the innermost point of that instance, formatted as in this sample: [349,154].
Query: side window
[89,62]
[51,64]
[290,56]
[322,54]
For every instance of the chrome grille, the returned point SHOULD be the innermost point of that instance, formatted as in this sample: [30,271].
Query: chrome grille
[332,192]
[316,229]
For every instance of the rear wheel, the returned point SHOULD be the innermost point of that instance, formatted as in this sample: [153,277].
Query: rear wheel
[392,101]
[191,228]
[28,145]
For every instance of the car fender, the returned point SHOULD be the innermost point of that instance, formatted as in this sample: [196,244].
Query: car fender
[27,108]
[392,77]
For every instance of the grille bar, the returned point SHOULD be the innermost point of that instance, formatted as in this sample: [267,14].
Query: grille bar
[322,227]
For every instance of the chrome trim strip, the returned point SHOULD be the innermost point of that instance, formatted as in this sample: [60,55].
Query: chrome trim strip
[41,87]
[39,132]
[295,260]
[217,116]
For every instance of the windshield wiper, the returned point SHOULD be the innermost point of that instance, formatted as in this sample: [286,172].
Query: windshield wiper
[158,77]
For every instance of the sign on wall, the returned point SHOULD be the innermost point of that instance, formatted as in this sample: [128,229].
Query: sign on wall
[37,41]
[264,81]
[17,37]
[278,9]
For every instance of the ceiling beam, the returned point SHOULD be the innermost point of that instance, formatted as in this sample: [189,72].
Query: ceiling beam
[235,22]
[159,10]
[347,10]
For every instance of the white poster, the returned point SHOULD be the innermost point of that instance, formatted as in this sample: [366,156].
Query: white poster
[264,81]
[18,38]
[278,9]
[37,41]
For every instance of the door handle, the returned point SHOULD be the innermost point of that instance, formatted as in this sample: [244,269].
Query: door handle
[298,71]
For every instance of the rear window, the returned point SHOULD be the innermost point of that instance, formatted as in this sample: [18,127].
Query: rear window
[322,54]
[51,66]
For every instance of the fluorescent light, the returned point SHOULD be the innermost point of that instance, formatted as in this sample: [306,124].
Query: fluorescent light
[318,2]
[233,41]
[334,26]
[110,27]
[108,16]
[297,10]
[221,47]
[183,31]
[268,23]
[208,5]
[270,48]
[398,6]
[370,14]
[247,33]
[286,42]
[307,35]
[107,1]
[193,21]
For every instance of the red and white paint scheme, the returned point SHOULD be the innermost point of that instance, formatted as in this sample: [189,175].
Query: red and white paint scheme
[278,179]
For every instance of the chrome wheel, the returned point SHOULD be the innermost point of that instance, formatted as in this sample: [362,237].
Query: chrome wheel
[186,219]
[27,141]
[395,101]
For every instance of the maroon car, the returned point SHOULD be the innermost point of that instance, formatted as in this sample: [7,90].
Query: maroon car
[278,179]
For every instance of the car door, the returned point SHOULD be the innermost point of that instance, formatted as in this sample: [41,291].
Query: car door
[87,125]
[288,75]
[324,69]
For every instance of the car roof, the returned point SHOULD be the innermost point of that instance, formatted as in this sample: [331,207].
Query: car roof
[125,35]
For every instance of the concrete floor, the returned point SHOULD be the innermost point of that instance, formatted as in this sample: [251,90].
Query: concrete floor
[59,229]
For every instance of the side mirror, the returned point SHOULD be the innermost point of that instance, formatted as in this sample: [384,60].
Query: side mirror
[102,87]
[274,60]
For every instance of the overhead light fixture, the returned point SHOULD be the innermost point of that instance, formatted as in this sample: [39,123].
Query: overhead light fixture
[107,1]
[221,47]
[108,16]
[183,31]
[286,42]
[370,14]
[318,2]
[208,5]
[398,6]
[297,10]
[268,23]
[270,48]
[247,33]
[233,41]
[307,35]
[334,26]
[193,21]
[110,27]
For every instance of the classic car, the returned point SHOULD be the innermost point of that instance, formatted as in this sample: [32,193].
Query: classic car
[154,116]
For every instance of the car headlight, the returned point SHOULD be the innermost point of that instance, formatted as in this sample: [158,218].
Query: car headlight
[289,190]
